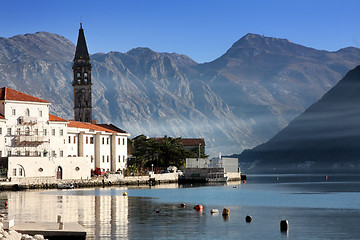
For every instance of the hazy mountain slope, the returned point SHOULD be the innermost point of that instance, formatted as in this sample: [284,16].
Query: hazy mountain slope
[269,81]
[237,101]
[326,136]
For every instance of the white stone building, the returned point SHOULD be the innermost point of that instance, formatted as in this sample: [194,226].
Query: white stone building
[36,144]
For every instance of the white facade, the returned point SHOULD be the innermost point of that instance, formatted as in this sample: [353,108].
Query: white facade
[38,144]
[105,147]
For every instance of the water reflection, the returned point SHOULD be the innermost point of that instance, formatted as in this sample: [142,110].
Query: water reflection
[102,216]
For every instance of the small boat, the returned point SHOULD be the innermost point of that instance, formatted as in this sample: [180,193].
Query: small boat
[217,177]
[65,186]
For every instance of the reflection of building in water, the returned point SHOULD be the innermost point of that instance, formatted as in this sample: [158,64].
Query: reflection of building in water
[101,215]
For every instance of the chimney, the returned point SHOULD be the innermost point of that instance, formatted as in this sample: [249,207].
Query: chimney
[94,121]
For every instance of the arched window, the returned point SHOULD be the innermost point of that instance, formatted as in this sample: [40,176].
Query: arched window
[27,112]
[78,76]
[85,78]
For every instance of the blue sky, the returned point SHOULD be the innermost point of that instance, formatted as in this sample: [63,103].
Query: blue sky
[201,29]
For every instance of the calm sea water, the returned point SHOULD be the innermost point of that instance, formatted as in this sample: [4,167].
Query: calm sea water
[316,208]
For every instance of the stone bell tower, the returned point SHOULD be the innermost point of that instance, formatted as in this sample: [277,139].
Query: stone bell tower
[82,81]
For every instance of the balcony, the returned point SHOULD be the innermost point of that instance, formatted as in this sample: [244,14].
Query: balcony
[30,140]
[24,120]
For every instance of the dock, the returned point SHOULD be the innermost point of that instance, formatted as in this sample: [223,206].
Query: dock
[51,231]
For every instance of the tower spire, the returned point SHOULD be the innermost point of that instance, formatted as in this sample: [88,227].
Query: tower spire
[82,80]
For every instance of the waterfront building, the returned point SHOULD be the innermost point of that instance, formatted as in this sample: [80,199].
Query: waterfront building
[35,144]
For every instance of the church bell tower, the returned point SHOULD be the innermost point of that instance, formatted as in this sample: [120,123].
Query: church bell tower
[82,81]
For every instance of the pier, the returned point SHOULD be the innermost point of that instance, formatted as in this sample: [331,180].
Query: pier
[51,231]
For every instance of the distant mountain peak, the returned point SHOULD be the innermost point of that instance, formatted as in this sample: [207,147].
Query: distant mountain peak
[252,39]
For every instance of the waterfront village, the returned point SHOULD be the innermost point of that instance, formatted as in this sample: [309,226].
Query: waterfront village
[38,148]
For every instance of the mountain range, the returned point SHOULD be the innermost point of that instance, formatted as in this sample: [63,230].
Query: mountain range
[239,100]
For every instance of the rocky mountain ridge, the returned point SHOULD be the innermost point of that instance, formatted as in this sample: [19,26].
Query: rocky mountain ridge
[237,101]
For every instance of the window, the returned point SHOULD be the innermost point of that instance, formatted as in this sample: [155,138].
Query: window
[123,141]
[0,131]
[107,141]
[103,158]
[53,153]
[13,112]
[91,140]
[9,131]
[87,140]
[119,159]
[17,153]
[20,172]
[61,153]
[107,158]
[123,158]
[61,132]
[74,139]
[27,131]
[53,132]
[45,132]
[40,113]
[69,139]
[92,158]
[27,112]
[14,171]
[27,153]
[9,153]
[118,141]
[103,140]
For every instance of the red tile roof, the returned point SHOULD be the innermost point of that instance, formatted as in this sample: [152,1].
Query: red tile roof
[54,118]
[11,94]
[1,116]
[193,141]
[89,126]
[188,141]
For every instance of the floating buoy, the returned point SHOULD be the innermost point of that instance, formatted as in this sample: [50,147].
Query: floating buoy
[248,219]
[183,205]
[284,225]
[125,194]
[326,177]
[277,178]
[244,181]
[5,203]
[225,212]
[214,211]
[157,211]
[198,207]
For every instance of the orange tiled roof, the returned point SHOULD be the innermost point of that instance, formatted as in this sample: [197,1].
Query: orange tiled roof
[56,118]
[187,141]
[89,126]
[11,94]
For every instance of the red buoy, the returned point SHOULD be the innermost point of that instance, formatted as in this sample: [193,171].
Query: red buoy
[198,207]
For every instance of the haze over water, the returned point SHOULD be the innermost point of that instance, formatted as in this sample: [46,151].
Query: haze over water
[316,208]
